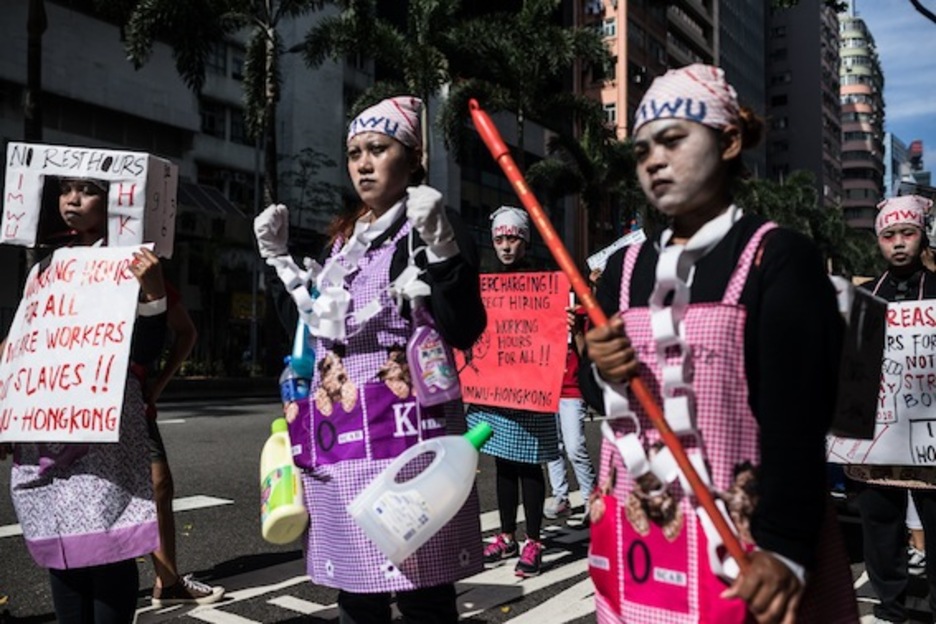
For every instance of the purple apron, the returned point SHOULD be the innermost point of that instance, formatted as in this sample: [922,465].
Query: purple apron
[362,414]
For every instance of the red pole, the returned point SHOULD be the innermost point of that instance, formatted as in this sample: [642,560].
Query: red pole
[491,137]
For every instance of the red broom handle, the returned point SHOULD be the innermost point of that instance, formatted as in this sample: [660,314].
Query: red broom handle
[492,138]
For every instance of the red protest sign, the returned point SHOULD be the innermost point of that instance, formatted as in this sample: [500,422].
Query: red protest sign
[518,361]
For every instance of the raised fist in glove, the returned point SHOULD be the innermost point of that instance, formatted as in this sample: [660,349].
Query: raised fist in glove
[425,210]
[271,227]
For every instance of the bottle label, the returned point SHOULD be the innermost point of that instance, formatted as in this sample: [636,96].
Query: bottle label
[278,488]
[403,514]
[435,363]
[294,389]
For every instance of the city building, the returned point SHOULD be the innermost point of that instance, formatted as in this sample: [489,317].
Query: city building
[862,99]
[896,164]
[741,53]
[803,109]
[92,96]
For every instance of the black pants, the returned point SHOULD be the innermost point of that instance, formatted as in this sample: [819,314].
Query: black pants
[883,517]
[511,476]
[429,605]
[105,594]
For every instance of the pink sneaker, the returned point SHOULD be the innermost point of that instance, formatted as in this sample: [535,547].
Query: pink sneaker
[501,548]
[531,558]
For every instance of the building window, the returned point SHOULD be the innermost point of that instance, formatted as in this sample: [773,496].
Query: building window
[609,27]
[610,113]
[239,132]
[778,31]
[216,63]
[778,100]
[212,118]
[237,63]
[780,123]
[779,54]
[781,78]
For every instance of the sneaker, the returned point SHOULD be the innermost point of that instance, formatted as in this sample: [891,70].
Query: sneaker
[531,558]
[501,548]
[558,507]
[186,591]
[916,561]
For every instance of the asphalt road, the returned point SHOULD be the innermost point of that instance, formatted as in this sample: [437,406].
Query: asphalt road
[214,451]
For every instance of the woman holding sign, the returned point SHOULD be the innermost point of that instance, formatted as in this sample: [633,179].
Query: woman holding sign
[362,412]
[737,331]
[87,510]
[523,440]
[882,490]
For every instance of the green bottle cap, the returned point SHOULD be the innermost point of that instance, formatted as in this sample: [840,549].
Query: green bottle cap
[479,434]
[279,425]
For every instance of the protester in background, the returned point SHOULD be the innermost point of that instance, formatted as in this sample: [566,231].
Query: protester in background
[570,421]
[87,510]
[170,588]
[397,225]
[742,353]
[522,440]
[882,490]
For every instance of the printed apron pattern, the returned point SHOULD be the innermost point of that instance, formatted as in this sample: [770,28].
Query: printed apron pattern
[361,415]
[649,555]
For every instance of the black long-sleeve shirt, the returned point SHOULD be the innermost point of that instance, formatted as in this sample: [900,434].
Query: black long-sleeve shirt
[455,299]
[792,344]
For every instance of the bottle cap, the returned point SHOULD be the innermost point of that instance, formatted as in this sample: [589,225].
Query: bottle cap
[479,434]
[287,360]
[279,426]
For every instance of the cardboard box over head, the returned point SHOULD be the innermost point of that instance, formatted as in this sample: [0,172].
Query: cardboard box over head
[141,194]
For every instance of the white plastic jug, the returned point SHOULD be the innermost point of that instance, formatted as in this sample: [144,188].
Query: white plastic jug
[401,517]
[283,516]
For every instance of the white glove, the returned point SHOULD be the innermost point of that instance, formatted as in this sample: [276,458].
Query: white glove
[271,227]
[425,211]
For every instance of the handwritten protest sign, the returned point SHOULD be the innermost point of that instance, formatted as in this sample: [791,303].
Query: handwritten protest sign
[141,194]
[905,431]
[64,364]
[519,360]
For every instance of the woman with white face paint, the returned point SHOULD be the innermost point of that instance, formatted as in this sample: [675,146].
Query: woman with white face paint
[362,412]
[738,335]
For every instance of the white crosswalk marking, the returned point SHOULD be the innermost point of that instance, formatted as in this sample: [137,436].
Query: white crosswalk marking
[220,617]
[570,604]
[305,607]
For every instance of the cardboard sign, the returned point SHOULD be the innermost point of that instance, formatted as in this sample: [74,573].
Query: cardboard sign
[519,360]
[64,364]
[905,428]
[860,368]
[141,196]
[599,259]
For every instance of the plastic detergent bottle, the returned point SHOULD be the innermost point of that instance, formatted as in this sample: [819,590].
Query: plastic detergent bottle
[283,516]
[401,517]
[431,364]
[294,386]
[303,352]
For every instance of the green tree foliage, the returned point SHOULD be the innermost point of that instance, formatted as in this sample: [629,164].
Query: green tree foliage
[598,169]
[794,203]
[194,29]
[516,62]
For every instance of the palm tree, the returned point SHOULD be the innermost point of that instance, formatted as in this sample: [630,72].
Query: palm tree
[599,169]
[419,54]
[517,61]
[193,29]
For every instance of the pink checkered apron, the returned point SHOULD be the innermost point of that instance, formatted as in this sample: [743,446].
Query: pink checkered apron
[648,575]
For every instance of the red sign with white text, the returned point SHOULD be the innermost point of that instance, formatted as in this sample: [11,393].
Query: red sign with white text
[519,360]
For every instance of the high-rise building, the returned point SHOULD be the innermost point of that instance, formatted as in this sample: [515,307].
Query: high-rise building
[862,98]
[741,46]
[896,163]
[803,96]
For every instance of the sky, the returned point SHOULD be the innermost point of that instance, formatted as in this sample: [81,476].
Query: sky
[906,45]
